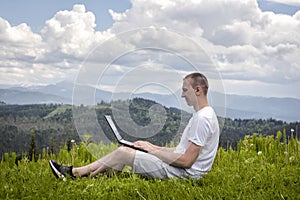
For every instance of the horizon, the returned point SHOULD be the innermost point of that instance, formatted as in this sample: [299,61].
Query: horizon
[230,113]
[225,105]
[148,92]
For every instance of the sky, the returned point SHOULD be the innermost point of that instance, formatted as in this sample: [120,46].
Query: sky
[245,47]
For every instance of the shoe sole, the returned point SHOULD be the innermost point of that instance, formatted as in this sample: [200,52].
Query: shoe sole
[55,171]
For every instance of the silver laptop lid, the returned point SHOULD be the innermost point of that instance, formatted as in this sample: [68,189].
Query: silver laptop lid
[113,127]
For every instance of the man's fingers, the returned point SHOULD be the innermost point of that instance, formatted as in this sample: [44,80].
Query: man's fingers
[138,143]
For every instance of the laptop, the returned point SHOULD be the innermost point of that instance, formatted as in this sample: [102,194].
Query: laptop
[118,136]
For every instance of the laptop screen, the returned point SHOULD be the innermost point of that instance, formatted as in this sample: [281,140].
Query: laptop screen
[113,127]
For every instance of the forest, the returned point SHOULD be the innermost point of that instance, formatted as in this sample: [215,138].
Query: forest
[30,129]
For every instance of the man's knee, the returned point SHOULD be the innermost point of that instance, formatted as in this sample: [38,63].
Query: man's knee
[125,155]
[126,149]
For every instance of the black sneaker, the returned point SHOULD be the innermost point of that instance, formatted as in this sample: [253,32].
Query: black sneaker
[61,171]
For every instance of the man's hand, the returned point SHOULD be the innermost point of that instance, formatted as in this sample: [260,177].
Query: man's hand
[146,146]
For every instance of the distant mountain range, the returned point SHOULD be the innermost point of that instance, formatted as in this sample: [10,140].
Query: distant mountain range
[237,106]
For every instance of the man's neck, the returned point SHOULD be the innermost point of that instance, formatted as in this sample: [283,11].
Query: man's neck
[201,104]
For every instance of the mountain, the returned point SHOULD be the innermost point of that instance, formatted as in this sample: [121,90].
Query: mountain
[286,109]
[11,96]
[237,106]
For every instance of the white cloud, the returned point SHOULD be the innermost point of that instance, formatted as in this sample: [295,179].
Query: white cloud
[28,58]
[18,43]
[20,34]
[249,44]
[19,47]
[72,32]
[246,43]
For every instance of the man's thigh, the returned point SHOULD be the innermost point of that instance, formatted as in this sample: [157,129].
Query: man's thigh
[148,165]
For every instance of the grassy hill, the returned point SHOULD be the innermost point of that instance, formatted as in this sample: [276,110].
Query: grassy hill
[261,168]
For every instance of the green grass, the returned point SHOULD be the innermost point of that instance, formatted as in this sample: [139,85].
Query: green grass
[58,110]
[273,173]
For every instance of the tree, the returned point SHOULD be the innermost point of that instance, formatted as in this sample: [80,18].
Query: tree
[33,154]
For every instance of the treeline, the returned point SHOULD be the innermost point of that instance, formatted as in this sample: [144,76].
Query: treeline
[21,125]
[236,129]
[28,129]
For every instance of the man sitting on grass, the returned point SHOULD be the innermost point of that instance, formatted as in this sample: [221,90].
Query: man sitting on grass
[192,158]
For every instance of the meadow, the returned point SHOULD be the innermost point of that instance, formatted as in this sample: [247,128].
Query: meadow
[260,168]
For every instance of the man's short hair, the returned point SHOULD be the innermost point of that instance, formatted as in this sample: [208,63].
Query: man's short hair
[198,79]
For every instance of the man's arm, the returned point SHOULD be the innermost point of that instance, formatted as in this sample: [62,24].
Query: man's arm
[185,160]
[148,145]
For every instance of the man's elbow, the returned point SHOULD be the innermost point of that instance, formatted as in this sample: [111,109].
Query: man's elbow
[186,161]
[188,164]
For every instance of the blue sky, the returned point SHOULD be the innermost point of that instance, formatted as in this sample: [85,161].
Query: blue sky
[254,44]
[278,7]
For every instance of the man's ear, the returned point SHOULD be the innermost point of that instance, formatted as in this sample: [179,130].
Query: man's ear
[198,90]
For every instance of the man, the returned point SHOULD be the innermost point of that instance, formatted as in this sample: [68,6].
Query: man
[192,158]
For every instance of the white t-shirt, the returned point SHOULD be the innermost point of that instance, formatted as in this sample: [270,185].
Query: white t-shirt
[202,130]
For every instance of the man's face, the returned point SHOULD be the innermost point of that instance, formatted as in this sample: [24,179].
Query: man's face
[188,92]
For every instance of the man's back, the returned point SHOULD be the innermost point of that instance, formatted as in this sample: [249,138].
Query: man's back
[202,130]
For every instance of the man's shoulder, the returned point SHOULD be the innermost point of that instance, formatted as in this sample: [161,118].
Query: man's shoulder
[206,116]
[206,112]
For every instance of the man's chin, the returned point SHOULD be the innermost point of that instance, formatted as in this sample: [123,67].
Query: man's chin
[188,103]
